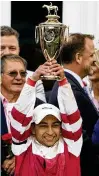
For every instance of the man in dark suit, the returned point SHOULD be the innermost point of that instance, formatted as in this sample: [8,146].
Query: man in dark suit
[4,148]
[77,57]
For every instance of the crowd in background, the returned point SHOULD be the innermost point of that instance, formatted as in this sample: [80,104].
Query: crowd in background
[22,91]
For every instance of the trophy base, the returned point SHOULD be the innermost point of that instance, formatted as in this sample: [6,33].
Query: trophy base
[50,77]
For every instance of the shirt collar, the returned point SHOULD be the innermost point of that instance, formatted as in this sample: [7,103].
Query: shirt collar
[77,77]
[3,99]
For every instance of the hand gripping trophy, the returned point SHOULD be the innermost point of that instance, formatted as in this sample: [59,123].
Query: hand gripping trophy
[51,34]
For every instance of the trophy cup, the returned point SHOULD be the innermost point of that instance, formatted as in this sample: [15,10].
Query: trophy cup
[51,35]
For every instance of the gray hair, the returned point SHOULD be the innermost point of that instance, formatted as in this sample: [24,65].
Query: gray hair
[12,57]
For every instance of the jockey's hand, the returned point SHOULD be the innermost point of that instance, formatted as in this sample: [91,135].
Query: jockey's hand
[57,70]
[42,70]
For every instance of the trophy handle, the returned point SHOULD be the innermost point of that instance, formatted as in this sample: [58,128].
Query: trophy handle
[66,34]
[37,35]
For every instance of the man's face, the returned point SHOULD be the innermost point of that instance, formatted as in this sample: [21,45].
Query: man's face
[9,83]
[9,45]
[88,57]
[48,131]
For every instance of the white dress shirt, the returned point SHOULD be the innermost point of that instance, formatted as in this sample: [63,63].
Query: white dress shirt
[77,77]
[7,110]
[40,93]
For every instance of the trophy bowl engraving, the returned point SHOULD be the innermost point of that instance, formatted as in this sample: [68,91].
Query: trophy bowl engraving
[51,34]
[51,41]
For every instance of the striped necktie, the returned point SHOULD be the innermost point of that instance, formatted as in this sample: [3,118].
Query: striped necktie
[87,91]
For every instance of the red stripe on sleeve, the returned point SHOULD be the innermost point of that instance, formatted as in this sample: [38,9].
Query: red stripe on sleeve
[73,136]
[64,118]
[21,137]
[63,82]
[31,82]
[71,118]
[21,118]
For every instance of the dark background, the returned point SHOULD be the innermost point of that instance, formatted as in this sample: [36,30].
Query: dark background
[25,15]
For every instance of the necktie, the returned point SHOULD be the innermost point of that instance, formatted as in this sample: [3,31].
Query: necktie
[87,91]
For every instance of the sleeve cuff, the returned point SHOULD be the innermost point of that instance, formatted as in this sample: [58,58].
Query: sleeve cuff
[31,82]
[63,82]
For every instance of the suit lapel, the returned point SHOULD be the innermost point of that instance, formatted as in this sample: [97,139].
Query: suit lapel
[74,81]
[71,77]
[3,121]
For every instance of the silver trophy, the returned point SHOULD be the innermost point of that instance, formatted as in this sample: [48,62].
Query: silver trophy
[51,35]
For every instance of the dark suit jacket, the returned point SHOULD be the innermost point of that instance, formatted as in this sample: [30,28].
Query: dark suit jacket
[3,121]
[4,130]
[95,136]
[89,116]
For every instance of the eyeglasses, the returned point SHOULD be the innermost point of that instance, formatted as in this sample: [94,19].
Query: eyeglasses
[14,74]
